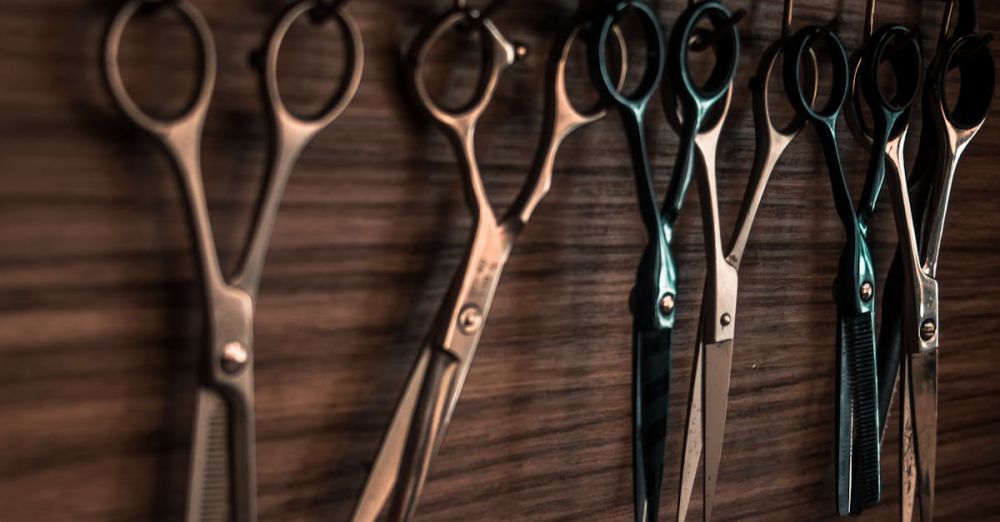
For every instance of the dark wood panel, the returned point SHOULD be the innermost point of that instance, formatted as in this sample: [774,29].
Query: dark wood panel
[100,319]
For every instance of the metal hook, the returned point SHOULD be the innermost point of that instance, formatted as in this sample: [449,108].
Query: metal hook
[786,22]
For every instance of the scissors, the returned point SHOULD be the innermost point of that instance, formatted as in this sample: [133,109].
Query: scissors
[222,474]
[708,399]
[854,288]
[653,296]
[910,306]
[433,388]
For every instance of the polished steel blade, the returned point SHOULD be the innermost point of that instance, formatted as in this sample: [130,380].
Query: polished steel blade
[693,434]
[924,382]
[907,456]
[384,472]
[718,369]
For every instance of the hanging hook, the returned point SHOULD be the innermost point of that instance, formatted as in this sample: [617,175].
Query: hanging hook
[786,22]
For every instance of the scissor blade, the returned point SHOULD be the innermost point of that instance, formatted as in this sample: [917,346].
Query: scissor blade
[845,427]
[924,381]
[650,399]
[382,477]
[907,457]
[208,477]
[693,434]
[718,368]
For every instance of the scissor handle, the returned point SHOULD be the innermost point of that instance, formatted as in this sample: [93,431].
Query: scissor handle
[798,46]
[907,68]
[727,55]
[349,83]
[193,115]
[978,81]
[561,119]
[638,99]
[498,54]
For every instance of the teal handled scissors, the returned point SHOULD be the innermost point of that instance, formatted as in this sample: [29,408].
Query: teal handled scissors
[653,296]
[898,46]
[707,402]
[222,475]
[418,425]
[910,306]
[857,431]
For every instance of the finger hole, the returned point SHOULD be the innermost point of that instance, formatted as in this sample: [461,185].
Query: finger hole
[831,72]
[156,37]
[454,63]
[968,80]
[644,44]
[314,56]
[780,112]
[899,63]
[580,91]
[710,70]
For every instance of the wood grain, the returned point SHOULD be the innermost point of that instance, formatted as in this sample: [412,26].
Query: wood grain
[100,319]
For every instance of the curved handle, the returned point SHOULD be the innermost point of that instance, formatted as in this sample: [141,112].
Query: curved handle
[637,100]
[498,53]
[291,132]
[173,130]
[562,118]
[353,67]
[727,56]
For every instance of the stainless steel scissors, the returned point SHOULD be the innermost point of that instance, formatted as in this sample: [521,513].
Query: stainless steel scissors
[708,399]
[653,296]
[222,474]
[422,415]
[910,309]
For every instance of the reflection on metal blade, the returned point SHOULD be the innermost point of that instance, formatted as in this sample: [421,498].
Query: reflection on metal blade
[718,368]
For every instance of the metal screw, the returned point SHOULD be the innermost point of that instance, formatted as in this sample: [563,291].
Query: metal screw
[867,291]
[726,320]
[470,320]
[234,356]
[667,304]
[520,51]
[928,330]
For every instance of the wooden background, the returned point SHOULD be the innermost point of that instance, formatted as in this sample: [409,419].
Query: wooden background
[100,318]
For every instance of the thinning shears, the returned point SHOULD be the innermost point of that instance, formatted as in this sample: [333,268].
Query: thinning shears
[222,475]
[854,287]
[707,402]
[418,425]
[653,296]
[899,46]
[910,306]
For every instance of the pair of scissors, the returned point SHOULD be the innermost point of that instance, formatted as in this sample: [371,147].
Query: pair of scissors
[418,425]
[222,474]
[707,402]
[897,45]
[854,288]
[910,307]
[653,297]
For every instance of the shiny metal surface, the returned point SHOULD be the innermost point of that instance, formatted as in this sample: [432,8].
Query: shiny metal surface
[418,425]
[708,399]
[223,441]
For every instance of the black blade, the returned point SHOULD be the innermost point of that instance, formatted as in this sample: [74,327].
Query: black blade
[859,340]
[650,398]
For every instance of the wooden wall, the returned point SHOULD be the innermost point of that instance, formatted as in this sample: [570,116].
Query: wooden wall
[100,317]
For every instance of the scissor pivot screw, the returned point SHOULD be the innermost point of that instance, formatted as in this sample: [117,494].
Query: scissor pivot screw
[234,356]
[866,291]
[667,304]
[470,320]
[520,51]
[726,320]
[928,330]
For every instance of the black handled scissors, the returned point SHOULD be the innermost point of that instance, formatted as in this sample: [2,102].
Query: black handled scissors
[655,291]
[223,449]
[910,307]
[432,391]
[708,399]
[854,288]
[899,46]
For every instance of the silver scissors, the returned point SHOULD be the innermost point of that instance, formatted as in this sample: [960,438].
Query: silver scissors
[707,402]
[920,206]
[222,474]
[418,425]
